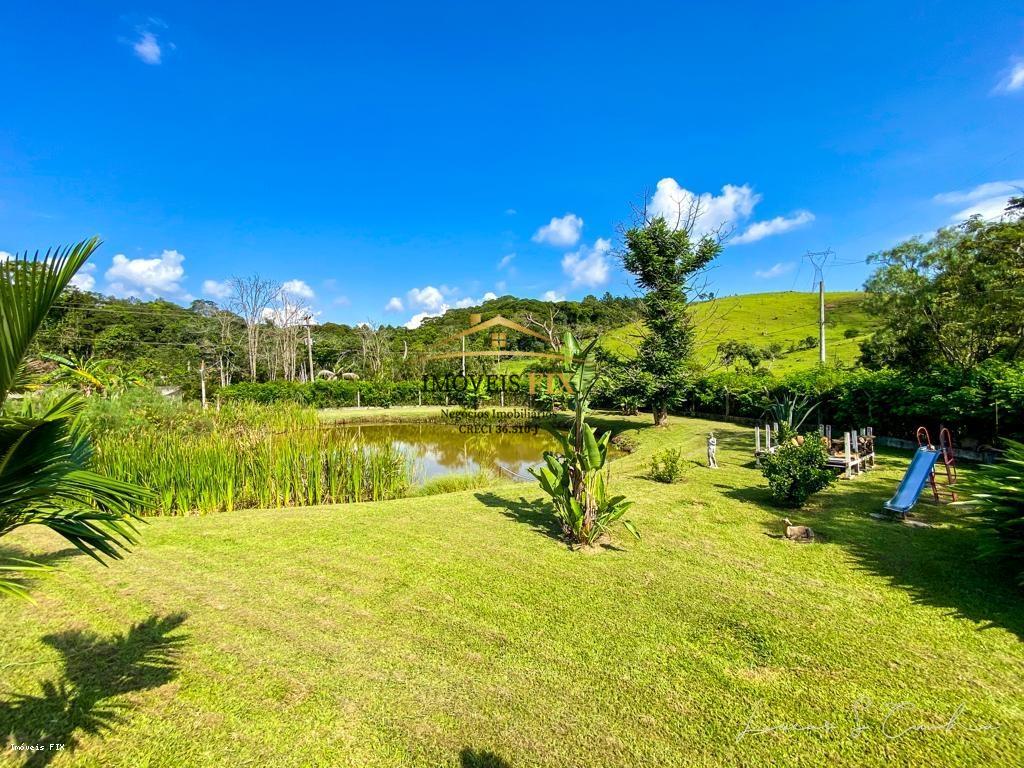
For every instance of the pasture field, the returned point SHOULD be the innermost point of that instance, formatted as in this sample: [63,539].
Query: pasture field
[764,318]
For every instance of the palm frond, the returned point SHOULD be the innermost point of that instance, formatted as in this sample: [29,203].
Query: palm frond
[29,286]
[45,459]
[16,565]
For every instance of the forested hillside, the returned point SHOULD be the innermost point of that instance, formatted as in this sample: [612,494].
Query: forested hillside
[166,343]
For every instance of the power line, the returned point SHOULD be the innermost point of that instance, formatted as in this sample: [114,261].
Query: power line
[131,310]
[116,342]
[820,259]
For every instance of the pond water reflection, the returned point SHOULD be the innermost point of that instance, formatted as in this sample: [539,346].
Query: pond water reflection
[440,449]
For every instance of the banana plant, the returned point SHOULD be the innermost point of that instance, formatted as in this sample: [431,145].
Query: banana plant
[87,374]
[576,477]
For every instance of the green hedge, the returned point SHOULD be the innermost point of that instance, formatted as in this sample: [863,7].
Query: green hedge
[983,403]
[893,402]
[378,394]
[327,394]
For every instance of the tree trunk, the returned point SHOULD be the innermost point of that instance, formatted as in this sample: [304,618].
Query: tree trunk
[660,412]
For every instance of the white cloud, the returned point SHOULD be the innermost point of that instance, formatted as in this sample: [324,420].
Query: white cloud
[157,276]
[147,47]
[417,320]
[288,312]
[6,256]
[717,212]
[428,297]
[433,303]
[780,268]
[986,200]
[1013,80]
[506,260]
[560,232]
[84,279]
[469,301]
[589,265]
[552,296]
[298,289]
[394,305]
[720,213]
[510,211]
[341,301]
[980,192]
[218,289]
[762,229]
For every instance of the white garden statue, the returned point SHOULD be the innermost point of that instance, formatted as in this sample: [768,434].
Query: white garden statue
[712,451]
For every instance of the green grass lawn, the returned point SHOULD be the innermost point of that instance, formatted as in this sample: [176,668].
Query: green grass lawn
[457,631]
[764,318]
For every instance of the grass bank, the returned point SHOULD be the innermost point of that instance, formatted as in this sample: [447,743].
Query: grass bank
[396,414]
[456,630]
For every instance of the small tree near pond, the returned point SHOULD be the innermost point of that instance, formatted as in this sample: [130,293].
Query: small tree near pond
[667,259]
[576,477]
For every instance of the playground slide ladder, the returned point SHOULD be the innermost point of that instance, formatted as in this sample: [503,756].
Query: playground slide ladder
[945,486]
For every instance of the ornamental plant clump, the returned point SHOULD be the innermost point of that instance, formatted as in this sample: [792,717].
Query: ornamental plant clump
[996,500]
[797,471]
[576,477]
[668,466]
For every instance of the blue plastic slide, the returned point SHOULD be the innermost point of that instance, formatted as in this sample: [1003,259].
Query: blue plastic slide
[918,474]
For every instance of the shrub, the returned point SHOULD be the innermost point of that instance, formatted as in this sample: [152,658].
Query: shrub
[996,498]
[667,466]
[851,333]
[794,472]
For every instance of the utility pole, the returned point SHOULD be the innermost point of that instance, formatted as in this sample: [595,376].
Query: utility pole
[820,259]
[821,322]
[309,345]
[202,381]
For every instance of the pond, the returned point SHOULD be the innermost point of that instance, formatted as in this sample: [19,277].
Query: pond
[440,449]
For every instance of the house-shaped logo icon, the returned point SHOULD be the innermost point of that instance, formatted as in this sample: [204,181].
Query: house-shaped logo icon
[497,329]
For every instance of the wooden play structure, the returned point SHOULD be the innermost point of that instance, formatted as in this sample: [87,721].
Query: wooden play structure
[760,449]
[852,454]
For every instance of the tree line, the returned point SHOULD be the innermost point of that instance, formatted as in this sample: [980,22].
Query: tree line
[258,334]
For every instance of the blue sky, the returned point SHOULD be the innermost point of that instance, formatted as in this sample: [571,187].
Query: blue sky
[386,162]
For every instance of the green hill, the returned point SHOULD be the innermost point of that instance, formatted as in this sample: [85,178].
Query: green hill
[763,319]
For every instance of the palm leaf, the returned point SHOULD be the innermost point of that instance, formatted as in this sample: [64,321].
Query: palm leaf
[28,288]
[45,460]
[17,565]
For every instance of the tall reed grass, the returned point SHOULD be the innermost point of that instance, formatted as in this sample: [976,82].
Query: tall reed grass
[244,456]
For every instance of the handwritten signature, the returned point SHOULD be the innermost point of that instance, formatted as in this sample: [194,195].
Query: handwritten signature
[892,723]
